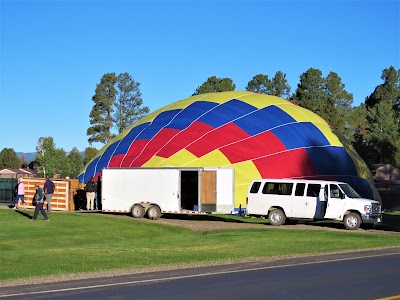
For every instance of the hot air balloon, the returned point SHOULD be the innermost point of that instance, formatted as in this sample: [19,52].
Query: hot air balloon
[259,136]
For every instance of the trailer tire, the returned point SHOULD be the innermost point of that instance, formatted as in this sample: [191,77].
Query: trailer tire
[276,217]
[138,211]
[154,212]
[352,221]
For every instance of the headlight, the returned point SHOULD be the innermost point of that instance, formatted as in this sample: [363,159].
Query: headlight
[367,209]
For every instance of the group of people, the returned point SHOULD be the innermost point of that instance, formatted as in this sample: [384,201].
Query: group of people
[41,194]
[92,190]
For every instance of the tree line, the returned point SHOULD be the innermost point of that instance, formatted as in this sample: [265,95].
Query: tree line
[49,159]
[372,128]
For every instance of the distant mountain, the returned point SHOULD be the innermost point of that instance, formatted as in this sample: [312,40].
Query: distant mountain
[29,156]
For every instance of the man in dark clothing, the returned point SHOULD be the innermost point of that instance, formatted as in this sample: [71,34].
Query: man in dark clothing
[49,191]
[39,204]
[90,194]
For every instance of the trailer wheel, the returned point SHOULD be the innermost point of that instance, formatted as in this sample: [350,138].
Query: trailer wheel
[352,221]
[154,212]
[276,217]
[137,211]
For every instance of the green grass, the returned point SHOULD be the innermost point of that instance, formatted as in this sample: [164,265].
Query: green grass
[78,242]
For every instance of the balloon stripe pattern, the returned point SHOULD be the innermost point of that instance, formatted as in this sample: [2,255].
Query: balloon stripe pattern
[260,136]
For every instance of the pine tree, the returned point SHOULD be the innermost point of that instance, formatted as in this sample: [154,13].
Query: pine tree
[90,153]
[215,85]
[339,102]
[276,86]
[101,116]
[384,132]
[326,97]
[310,92]
[9,159]
[75,163]
[388,91]
[383,118]
[280,86]
[260,84]
[128,105]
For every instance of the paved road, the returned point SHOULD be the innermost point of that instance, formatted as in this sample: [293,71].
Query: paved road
[371,274]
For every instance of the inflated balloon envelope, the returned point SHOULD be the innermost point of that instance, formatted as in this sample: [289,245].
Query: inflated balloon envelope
[260,136]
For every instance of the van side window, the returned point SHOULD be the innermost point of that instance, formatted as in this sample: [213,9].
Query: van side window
[335,191]
[255,187]
[277,188]
[268,188]
[286,188]
[300,187]
[313,190]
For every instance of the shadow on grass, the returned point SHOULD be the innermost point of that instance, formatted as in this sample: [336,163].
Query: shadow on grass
[199,217]
[23,213]
[390,222]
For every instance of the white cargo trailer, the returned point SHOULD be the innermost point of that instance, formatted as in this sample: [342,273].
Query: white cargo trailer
[156,191]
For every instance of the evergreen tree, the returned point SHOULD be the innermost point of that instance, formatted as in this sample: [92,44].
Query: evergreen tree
[128,106]
[383,118]
[310,92]
[214,85]
[384,132]
[9,159]
[259,84]
[90,153]
[361,135]
[326,97]
[339,103]
[280,86]
[389,91]
[62,166]
[75,163]
[101,116]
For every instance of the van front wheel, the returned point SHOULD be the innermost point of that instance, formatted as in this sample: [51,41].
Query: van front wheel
[276,217]
[352,221]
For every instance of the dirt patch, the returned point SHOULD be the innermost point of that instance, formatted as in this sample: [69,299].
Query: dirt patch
[205,225]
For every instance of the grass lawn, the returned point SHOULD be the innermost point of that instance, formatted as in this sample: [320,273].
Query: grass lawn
[88,242]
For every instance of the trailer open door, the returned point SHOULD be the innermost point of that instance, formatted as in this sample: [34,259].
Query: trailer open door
[208,191]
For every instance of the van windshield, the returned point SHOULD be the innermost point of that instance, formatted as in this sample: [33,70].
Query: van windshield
[349,191]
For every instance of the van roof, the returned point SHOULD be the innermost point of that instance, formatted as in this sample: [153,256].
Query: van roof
[297,180]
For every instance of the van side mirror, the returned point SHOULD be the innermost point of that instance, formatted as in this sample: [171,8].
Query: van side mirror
[343,196]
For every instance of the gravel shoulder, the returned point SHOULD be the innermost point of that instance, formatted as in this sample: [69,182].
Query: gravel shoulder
[218,225]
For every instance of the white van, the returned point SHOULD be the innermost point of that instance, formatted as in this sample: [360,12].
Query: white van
[283,199]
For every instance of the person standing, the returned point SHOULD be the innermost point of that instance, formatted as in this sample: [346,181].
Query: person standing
[20,194]
[90,193]
[39,204]
[48,189]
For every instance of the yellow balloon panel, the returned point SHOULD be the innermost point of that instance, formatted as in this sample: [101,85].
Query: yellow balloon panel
[245,172]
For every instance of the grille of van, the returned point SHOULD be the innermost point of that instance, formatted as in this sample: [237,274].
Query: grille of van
[376,208]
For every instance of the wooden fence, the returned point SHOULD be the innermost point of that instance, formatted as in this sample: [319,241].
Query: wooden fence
[63,197]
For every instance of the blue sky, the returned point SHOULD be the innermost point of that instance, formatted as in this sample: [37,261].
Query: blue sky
[54,52]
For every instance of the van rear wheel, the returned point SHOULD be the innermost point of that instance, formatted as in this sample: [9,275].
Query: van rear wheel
[276,217]
[352,221]
[138,211]
[154,212]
